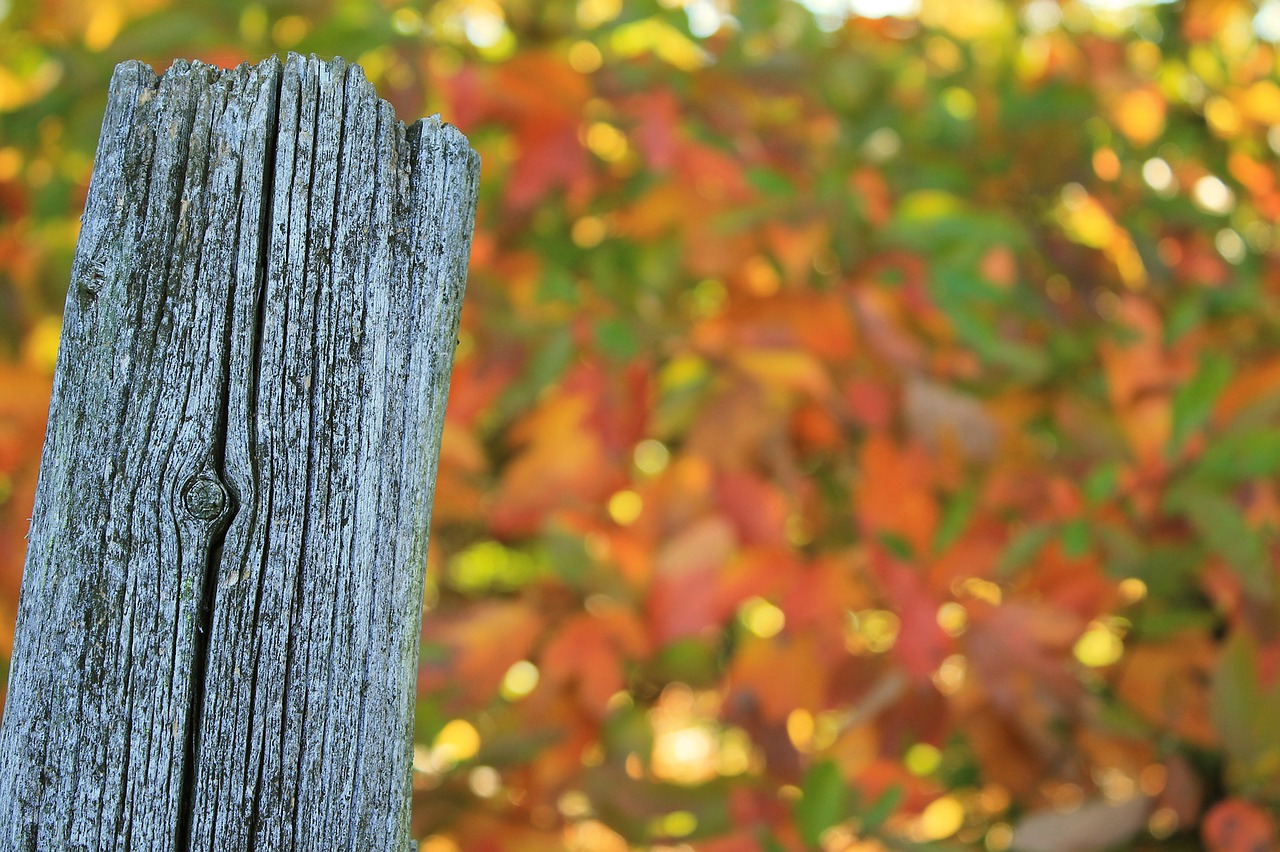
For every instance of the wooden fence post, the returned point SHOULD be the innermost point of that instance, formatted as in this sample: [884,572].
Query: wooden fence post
[218,631]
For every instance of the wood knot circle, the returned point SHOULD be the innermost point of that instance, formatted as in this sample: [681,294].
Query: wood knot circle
[204,497]
[92,281]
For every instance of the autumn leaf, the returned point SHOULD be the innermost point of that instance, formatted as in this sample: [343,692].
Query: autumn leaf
[1237,825]
[483,642]
[588,654]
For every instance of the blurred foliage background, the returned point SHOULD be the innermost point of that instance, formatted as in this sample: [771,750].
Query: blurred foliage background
[865,431]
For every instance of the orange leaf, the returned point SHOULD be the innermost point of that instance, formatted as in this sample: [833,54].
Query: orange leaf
[869,402]
[589,652]
[1167,684]
[24,406]
[485,640]
[566,457]
[895,496]
[1250,386]
[796,246]
[781,673]
[1138,380]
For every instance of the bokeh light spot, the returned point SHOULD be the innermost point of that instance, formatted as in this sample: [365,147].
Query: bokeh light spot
[651,457]
[625,507]
[942,818]
[1132,590]
[953,618]
[922,759]
[762,618]
[520,680]
[999,837]
[585,57]
[1163,823]
[950,676]
[457,741]
[485,781]
[588,232]
[1212,195]
[1098,647]
[960,103]
[800,729]
[289,30]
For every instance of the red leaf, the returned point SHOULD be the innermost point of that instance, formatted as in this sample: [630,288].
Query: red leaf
[921,644]
[684,600]
[656,135]
[754,506]
[1237,825]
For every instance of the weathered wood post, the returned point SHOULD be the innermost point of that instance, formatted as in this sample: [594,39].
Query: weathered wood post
[218,632]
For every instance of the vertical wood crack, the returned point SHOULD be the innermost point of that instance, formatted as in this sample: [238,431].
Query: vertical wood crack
[210,494]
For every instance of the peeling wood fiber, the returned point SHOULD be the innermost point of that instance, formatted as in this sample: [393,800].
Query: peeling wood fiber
[218,632]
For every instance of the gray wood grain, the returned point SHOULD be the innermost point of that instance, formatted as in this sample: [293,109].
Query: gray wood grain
[218,632]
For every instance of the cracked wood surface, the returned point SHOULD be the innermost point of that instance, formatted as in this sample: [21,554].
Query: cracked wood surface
[218,631]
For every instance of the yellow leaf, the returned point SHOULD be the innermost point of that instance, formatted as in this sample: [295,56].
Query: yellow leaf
[655,36]
[787,369]
[40,349]
[16,92]
[926,204]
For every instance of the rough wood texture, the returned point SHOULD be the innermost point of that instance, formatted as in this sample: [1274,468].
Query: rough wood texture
[218,633]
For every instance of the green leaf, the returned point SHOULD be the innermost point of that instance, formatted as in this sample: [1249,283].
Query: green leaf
[1194,400]
[617,339]
[961,295]
[692,660]
[1235,696]
[823,801]
[1024,546]
[1156,625]
[1075,538]
[771,182]
[1170,571]
[954,519]
[1123,551]
[627,730]
[896,545]
[1184,316]
[1220,524]
[556,285]
[769,843]
[550,362]
[1101,483]
[882,808]
[1238,457]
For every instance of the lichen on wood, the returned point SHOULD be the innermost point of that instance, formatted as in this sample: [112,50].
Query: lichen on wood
[217,637]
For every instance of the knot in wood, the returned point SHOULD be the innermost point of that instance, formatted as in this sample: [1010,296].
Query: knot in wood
[92,281]
[204,497]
